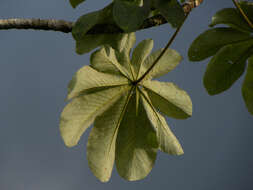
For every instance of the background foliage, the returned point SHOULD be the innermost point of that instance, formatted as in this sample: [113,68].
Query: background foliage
[231,47]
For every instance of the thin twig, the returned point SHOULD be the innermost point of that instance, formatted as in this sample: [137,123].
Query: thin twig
[243,13]
[36,24]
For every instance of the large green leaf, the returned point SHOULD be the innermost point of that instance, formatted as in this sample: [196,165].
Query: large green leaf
[88,79]
[171,10]
[209,42]
[75,3]
[140,53]
[226,66]
[84,24]
[135,147]
[232,18]
[102,140]
[169,99]
[168,62]
[87,21]
[168,143]
[128,15]
[247,87]
[80,113]
[87,42]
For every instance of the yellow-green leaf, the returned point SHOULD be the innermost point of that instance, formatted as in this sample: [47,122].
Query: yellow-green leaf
[168,62]
[102,140]
[105,60]
[135,150]
[168,143]
[88,79]
[169,99]
[80,113]
[140,53]
[123,52]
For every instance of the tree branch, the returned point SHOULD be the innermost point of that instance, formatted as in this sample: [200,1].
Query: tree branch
[66,27]
[36,24]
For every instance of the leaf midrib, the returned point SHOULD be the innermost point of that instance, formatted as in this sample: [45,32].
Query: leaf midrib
[168,100]
[120,118]
[154,110]
[81,93]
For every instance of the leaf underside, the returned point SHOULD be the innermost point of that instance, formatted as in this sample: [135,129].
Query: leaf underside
[128,128]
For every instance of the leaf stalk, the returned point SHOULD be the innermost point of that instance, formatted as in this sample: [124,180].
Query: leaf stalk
[243,13]
[164,50]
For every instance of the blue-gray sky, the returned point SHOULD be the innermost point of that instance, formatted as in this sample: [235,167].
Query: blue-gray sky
[35,68]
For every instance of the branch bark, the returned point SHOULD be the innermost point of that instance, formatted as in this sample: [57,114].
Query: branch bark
[66,26]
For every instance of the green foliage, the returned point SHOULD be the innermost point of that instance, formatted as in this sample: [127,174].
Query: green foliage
[230,47]
[128,126]
[231,17]
[171,10]
[129,15]
[85,43]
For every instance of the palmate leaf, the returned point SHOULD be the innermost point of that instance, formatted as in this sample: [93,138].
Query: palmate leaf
[128,127]
[230,47]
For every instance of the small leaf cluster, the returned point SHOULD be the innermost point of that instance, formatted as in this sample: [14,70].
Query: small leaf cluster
[128,15]
[128,113]
[230,48]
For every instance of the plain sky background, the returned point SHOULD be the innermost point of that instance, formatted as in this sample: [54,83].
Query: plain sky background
[35,68]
